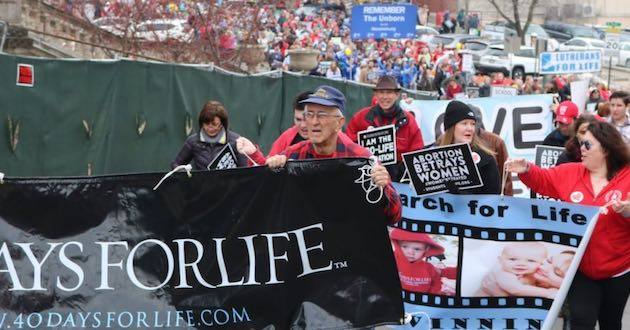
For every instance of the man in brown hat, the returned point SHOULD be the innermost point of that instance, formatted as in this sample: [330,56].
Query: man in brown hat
[387,111]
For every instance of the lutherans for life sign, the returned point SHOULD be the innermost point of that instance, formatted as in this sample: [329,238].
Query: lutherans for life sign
[383,21]
[578,61]
[224,160]
[448,168]
[381,142]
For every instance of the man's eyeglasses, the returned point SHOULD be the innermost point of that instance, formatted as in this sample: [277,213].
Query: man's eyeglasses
[320,114]
[586,144]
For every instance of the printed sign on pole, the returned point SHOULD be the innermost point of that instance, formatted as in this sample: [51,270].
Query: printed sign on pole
[383,21]
[472,92]
[467,63]
[224,160]
[546,157]
[381,142]
[570,62]
[579,93]
[612,45]
[440,169]
[503,91]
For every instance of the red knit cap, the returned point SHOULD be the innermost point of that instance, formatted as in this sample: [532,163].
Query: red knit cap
[433,248]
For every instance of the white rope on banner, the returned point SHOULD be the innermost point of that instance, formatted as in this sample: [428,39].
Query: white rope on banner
[251,160]
[186,167]
[406,178]
[366,176]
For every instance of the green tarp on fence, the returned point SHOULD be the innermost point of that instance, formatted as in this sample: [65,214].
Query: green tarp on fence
[43,131]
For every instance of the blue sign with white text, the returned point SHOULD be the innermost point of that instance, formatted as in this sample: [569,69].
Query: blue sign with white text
[570,62]
[383,21]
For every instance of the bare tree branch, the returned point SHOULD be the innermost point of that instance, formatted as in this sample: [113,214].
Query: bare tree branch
[496,6]
[530,15]
[521,30]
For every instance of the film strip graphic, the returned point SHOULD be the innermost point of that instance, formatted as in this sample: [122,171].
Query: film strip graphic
[475,302]
[495,234]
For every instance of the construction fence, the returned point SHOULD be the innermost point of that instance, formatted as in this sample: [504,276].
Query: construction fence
[84,117]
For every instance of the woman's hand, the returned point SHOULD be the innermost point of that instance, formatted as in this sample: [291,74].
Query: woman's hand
[517,166]
[380,176]
[245,146]
[622,206]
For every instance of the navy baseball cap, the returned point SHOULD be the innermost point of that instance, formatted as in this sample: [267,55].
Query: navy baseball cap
[327,96]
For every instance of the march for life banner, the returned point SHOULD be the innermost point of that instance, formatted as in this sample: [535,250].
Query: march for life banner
[486,262]
[303,247]
[521,121]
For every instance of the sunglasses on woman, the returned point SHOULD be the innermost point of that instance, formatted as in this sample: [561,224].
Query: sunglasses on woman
[586,144]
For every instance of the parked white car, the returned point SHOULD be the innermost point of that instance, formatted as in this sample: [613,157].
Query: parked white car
[163,29]
[116,25]
[582,44]
[624,54]
[425,33]
[516,65]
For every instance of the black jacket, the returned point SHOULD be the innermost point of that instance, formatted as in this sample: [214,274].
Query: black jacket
[201,154]
[555,138]
[490,176]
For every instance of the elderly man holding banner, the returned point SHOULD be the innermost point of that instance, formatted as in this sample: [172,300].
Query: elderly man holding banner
[324,119]
[600,289]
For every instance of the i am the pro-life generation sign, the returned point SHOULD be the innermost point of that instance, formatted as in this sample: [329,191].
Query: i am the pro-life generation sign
[381,142]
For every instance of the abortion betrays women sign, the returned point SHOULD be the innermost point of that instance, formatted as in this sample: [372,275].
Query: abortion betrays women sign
[242,248]
[484,283]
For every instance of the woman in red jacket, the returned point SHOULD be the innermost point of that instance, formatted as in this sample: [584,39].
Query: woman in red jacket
[600,288]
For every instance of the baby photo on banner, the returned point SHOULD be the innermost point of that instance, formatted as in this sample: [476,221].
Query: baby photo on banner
[486,261]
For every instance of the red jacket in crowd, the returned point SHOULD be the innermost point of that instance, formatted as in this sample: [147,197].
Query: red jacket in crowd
[408,135]
[283,141]
[502,82]
[608,251]
[347,148]
[451,91]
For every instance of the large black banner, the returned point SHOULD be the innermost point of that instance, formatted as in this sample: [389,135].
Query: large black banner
[243,248]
